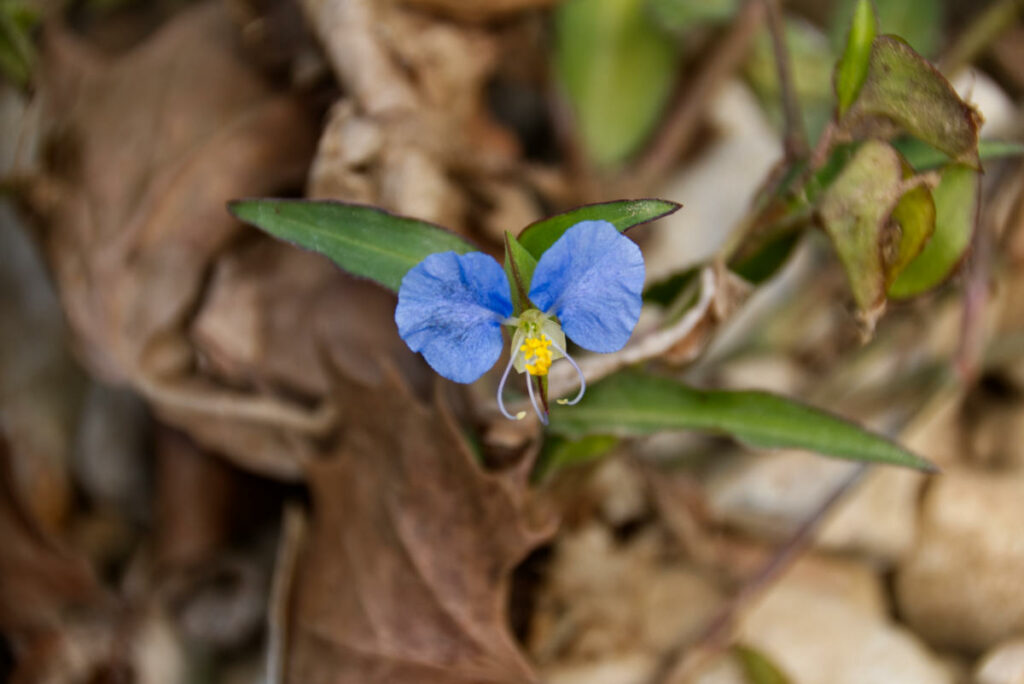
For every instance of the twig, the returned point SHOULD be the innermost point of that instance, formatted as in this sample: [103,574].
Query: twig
[683,661]
[346,28]
[795,141]
[293,534]
[685,116]
[256,409]
[976,286]
[981,33]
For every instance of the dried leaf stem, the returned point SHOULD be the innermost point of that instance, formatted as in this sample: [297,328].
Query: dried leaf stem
[980,34]
[683,120]
[795,140]
[293,535]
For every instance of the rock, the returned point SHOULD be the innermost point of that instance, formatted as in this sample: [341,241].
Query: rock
[818,632]
[962,587]
[621,491]
[770,494]
[606,602]
[1003,664]
[630,668]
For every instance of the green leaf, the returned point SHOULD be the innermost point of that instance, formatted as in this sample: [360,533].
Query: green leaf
[617,68]
[519,267]
[623,214]
[852,68]
[682,15]
[635,404]
[919,22]
[559,453]
[903,88]
[923,156]
[914,216]
[858,211]
[757,667]
[365,241]
[17,54]
[956,203]
[759,265]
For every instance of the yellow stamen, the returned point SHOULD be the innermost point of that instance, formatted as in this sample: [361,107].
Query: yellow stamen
[537,354]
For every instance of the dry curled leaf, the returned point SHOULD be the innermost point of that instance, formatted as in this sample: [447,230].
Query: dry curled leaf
[161,137]
[415,118]
[405,574]
[904,89]
[878,219]
[148,146]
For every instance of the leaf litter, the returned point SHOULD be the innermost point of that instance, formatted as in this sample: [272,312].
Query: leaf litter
[274,380]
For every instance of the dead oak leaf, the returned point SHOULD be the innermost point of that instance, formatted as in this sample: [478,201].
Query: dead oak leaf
[148,146]
[405,574]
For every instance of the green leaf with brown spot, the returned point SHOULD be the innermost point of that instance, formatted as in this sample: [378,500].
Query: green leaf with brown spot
[878,221]
[956,204]
[913,222]
[904,89]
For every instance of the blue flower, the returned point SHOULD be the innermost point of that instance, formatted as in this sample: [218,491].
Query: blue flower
[451,307]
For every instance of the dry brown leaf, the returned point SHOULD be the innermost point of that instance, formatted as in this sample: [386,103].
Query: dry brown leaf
[416,118]
[405,574]
[39,577]
[47,594]
[479,10]
[269,307]
[154,143]
[146,149]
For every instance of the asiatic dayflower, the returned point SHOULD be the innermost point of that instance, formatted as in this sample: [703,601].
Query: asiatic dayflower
[587,286]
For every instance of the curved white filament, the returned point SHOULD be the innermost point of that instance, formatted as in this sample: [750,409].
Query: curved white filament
[533,400]
[579,372]
[501,389]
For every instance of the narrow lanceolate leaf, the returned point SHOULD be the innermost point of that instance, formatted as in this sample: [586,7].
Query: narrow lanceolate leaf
[365,241]
[634,404]
[956,204]
[876,222]
[902,87]
[852,68]
[617,68]
[623,214]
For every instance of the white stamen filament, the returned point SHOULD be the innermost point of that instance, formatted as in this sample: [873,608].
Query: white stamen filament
[533,400]
[579,372]
[501,390]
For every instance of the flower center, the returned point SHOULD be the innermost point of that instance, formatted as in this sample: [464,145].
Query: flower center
[537,354]
[537,341]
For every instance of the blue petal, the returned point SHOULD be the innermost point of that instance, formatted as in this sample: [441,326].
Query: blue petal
[591,278]
[450,308]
